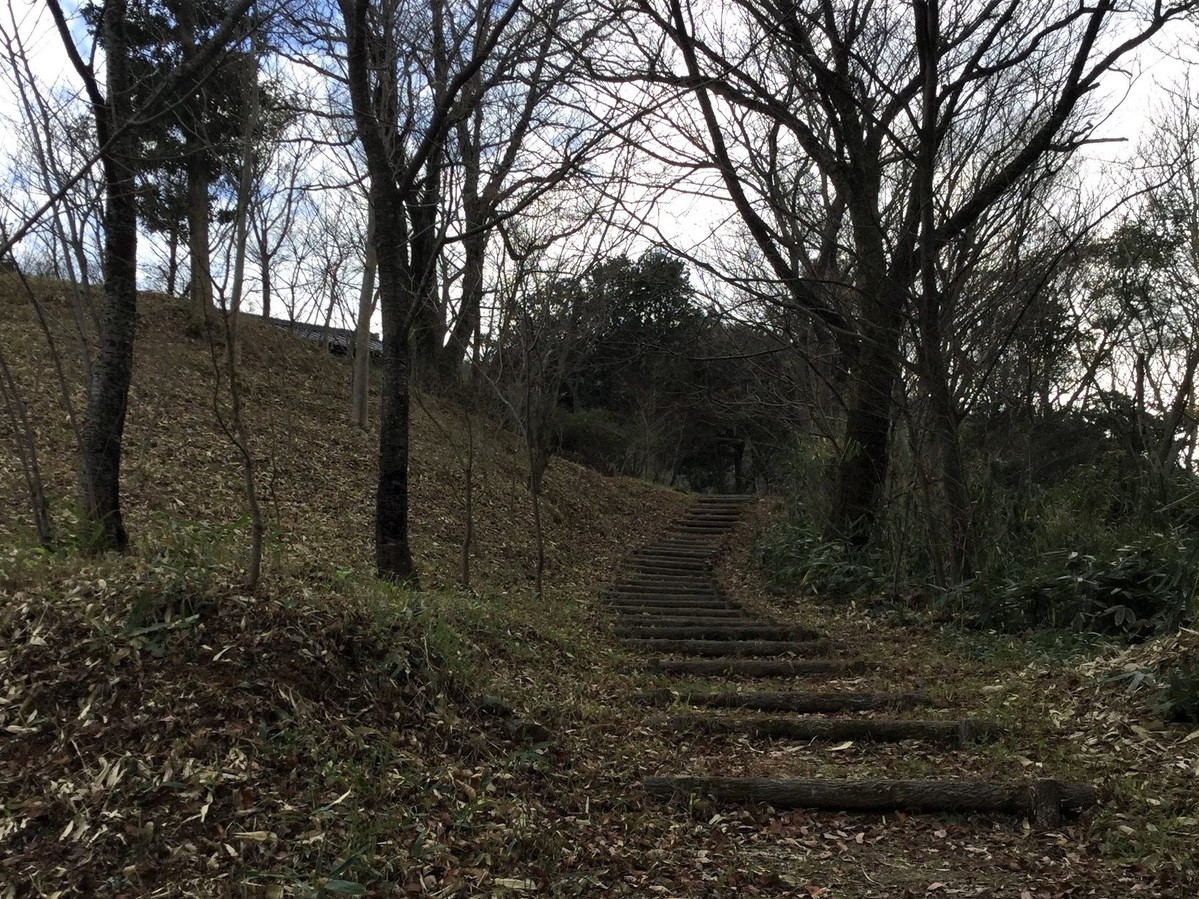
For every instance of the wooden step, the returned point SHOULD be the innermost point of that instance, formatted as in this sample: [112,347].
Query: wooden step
[632,614]
[669,602]
[757,667]
[801,703]
[1043,801]
[720,648]
[738,619]
[693,581]
[631,589]
[863,730]
[719,631]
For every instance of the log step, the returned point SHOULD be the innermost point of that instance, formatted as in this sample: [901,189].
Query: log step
[719,631]
[665,622]
[757,667]
[662,551]
[645,579]
[1044,801]
[650,615]
[672,568]
[719,648]
[876,730]
[661,601]
[682,597]
[627,587]
[801,703]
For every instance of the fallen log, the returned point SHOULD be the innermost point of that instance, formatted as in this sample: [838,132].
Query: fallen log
[758,667]
[732,647]
[956,733]
[718,631]
[801,703]
[1044,801]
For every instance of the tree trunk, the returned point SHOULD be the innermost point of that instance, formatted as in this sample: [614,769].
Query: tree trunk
[360,391]
[198,235]
[172,260]
[862,471]
[468,530]
[195,152]
[393,555]
[26,444]
[238,432]
[426,336]
[468,321]
[264,264]
[935,369]
[108,393]
[1167,453]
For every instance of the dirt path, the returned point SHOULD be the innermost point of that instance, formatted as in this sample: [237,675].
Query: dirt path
[818,757]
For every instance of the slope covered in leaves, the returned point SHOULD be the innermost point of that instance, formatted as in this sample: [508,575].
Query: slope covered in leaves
[168,734]
[316,472]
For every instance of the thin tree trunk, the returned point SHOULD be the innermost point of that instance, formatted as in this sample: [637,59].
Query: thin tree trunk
[172,261]
[264,262]
[468,533]
[360,391]
[26,444]
[104,420]
[1166,452]
[538,536]
[238,432]
[936,375]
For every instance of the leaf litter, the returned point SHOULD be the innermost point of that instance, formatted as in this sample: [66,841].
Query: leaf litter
[302,742]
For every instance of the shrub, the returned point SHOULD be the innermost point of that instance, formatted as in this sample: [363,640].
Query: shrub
[1179,696]
[593,437]
[1138,591]
[795,555]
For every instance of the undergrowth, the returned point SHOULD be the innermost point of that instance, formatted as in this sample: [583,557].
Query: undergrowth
[320,737]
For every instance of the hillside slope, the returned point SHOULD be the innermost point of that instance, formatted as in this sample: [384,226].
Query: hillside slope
[168,735]
[317,473]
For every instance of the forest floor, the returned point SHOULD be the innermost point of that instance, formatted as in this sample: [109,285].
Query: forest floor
[168,733]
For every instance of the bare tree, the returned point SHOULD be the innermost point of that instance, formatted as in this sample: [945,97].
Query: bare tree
[403,143]
[234,426]
[851,103]
[115,119]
